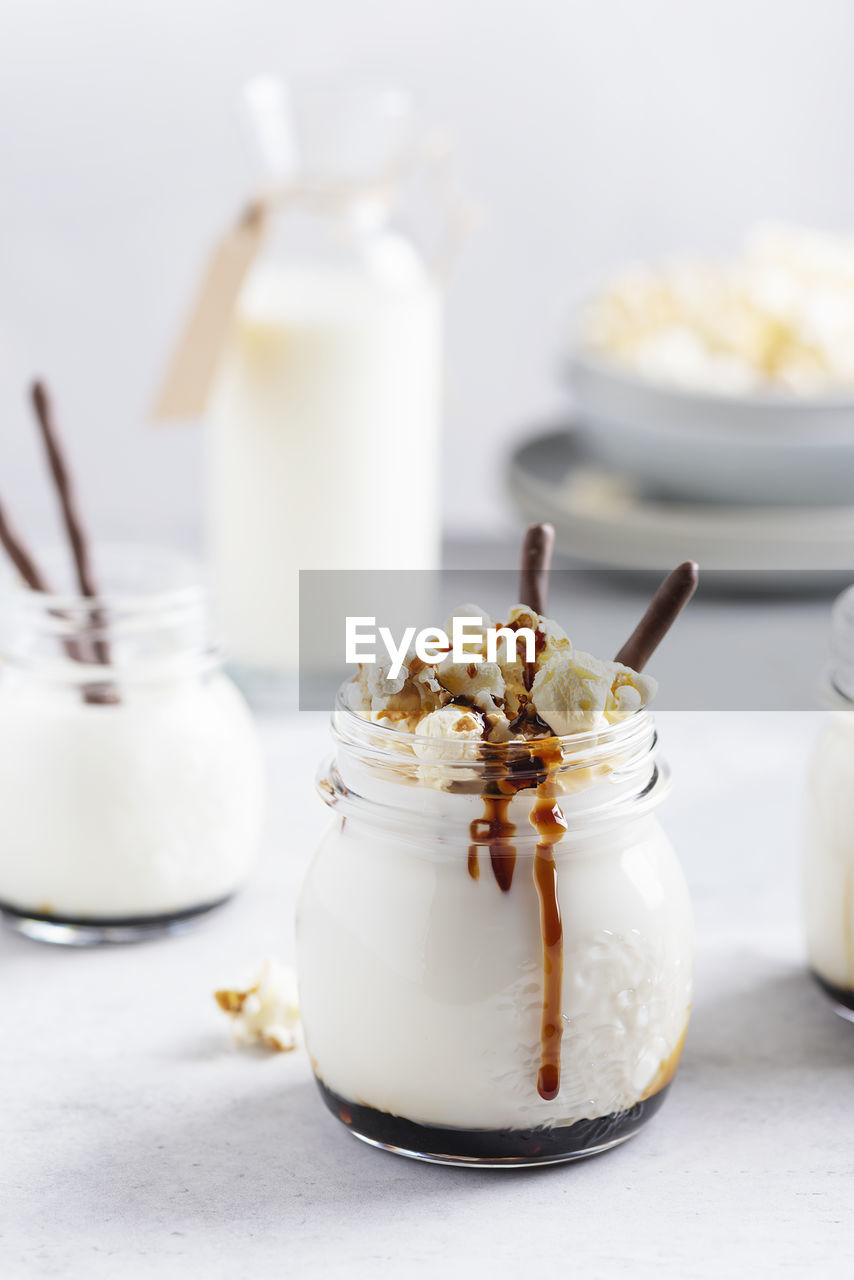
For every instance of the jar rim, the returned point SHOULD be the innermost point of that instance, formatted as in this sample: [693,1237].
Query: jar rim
[111,561]
[150,621]
[602,775]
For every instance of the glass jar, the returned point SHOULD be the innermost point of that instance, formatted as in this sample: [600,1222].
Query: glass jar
[828,866]
[130,774]
[332,381]
[494,943]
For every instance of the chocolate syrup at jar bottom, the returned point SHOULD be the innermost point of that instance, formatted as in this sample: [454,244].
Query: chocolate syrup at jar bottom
[510,1146]
[842,996]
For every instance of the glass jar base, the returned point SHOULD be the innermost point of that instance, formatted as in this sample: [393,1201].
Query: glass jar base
[491,1148]
[475,1162]
[80,932]
[841,998]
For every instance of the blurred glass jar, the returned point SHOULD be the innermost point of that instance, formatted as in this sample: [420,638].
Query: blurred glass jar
[828,869]
[325,417]
[130,773]
[495,944]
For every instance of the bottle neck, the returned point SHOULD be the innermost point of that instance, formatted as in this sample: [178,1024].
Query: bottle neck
[320,215]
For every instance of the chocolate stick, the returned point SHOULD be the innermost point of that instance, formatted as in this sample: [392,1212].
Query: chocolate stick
[58,464]
[75,530]
[31,574]
[537,547]
[65,489]
[663,610]
[20,556]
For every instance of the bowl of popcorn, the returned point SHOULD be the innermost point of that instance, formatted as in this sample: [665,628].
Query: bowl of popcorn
[728,381]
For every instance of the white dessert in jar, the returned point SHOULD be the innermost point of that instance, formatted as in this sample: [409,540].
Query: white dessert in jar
[495,939]
[828,869]
[121,816]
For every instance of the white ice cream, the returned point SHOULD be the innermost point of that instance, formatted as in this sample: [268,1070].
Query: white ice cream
[442,733]
[574,691]
[141,809]
[829,855]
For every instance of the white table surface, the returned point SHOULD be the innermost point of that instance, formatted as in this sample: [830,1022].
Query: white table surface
[135,1140]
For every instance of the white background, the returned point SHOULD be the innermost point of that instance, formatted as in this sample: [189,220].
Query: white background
[589,133]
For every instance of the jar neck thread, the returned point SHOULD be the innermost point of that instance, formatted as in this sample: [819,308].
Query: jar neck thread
[597,779]
[143,632]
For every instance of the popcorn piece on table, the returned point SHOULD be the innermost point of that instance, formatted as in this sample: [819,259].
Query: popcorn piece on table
[267,1011]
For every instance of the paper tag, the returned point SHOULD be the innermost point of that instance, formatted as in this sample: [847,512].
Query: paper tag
[185,389]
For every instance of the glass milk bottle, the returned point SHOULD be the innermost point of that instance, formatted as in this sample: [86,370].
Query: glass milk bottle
[325,416]
[828,871]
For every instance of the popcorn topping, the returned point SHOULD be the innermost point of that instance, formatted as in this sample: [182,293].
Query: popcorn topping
[563,691]
[780,317]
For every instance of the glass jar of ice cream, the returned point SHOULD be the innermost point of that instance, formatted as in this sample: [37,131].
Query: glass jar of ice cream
[828,867]
[130,775]
[494,938]
[333,375]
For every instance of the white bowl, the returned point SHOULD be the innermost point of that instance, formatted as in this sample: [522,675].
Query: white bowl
[763,448]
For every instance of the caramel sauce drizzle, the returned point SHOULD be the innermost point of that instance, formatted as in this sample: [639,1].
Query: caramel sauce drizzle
[550,825]
[527,715]
[496,831]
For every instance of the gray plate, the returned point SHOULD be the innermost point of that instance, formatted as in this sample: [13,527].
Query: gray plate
[603,518]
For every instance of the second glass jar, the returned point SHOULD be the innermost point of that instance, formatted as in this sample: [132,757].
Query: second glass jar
[828,870]
[130,773]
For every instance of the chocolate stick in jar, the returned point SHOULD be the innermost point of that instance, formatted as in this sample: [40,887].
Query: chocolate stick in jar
[32,576]
[663,610]
[59,469]
[76,532]
[537,547]
[21,558]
